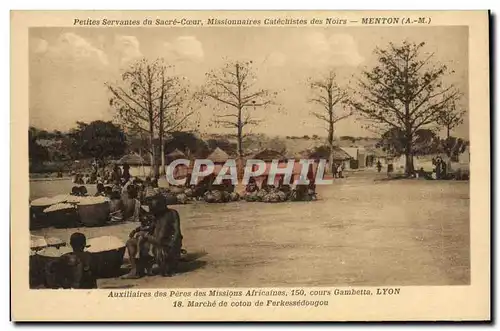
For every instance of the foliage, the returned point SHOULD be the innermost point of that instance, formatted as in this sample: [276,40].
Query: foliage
[404,92]
[450,118]
[98,139]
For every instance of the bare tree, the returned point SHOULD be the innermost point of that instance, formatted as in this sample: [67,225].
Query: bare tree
[404,90]
[329,96]
[149,100]
[174,110]
[233,88]
[450,118]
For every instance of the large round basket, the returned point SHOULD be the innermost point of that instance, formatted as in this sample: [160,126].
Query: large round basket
[107,255]
[38,219]
[108,263]
[39,263]
[64,218]
[36,272]
[94,214]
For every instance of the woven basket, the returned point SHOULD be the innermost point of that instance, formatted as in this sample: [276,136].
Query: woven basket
[38,219]
[64,218]
[107,263]
[36,272]
[94,215]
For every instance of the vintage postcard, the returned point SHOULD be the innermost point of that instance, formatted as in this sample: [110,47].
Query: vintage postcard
[250,166]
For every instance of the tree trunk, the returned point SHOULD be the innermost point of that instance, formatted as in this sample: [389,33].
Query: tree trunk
[152,155]
[162,168]
[330,145]
[409,169]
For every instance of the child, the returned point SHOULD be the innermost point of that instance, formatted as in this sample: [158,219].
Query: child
[141,233]
[73,270]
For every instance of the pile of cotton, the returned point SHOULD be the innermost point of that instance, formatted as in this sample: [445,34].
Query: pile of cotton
[59,206]
[103,244]
[86,201]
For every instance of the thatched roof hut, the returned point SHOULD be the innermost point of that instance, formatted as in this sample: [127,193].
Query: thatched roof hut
[268,155]
[338,154]
[218,156]
[175,155]
[132,159]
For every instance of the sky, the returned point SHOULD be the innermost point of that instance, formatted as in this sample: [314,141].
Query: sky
[69,67]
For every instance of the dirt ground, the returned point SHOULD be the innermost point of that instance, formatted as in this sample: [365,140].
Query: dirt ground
[361,232]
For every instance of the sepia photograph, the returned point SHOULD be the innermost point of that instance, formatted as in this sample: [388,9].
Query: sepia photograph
[314,164]
[111,109]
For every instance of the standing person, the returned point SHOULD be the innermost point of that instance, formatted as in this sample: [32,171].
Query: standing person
[126,172]
[340,169]
[334,170]
[379,166]
[438,168]
[116,174]
[443,169]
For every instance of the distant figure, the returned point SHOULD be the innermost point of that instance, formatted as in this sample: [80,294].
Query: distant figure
[108,190]
[83,191]
[100,190]
[93,178]
[251,186]
[438,168]
[285,188]
[126,172]
[339,170]
[379,166]
[75,190]
[77,179]
[265,185]
[116,174]
[228,185]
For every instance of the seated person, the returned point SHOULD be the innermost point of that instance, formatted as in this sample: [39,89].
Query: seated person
[83,191]
[141,234]
[100,190]
[75,190]
[73,270]
[251,186]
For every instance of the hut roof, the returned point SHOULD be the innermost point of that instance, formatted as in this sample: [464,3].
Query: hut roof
[298,155]
[338,154]
[175,155]
[218,156]
[132,159]
[268,155]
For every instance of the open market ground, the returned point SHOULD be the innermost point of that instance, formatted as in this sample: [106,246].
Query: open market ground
[361,232]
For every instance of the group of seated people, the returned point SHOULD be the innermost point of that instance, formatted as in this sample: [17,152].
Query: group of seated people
[300,192]
[207,184]
[155,245]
